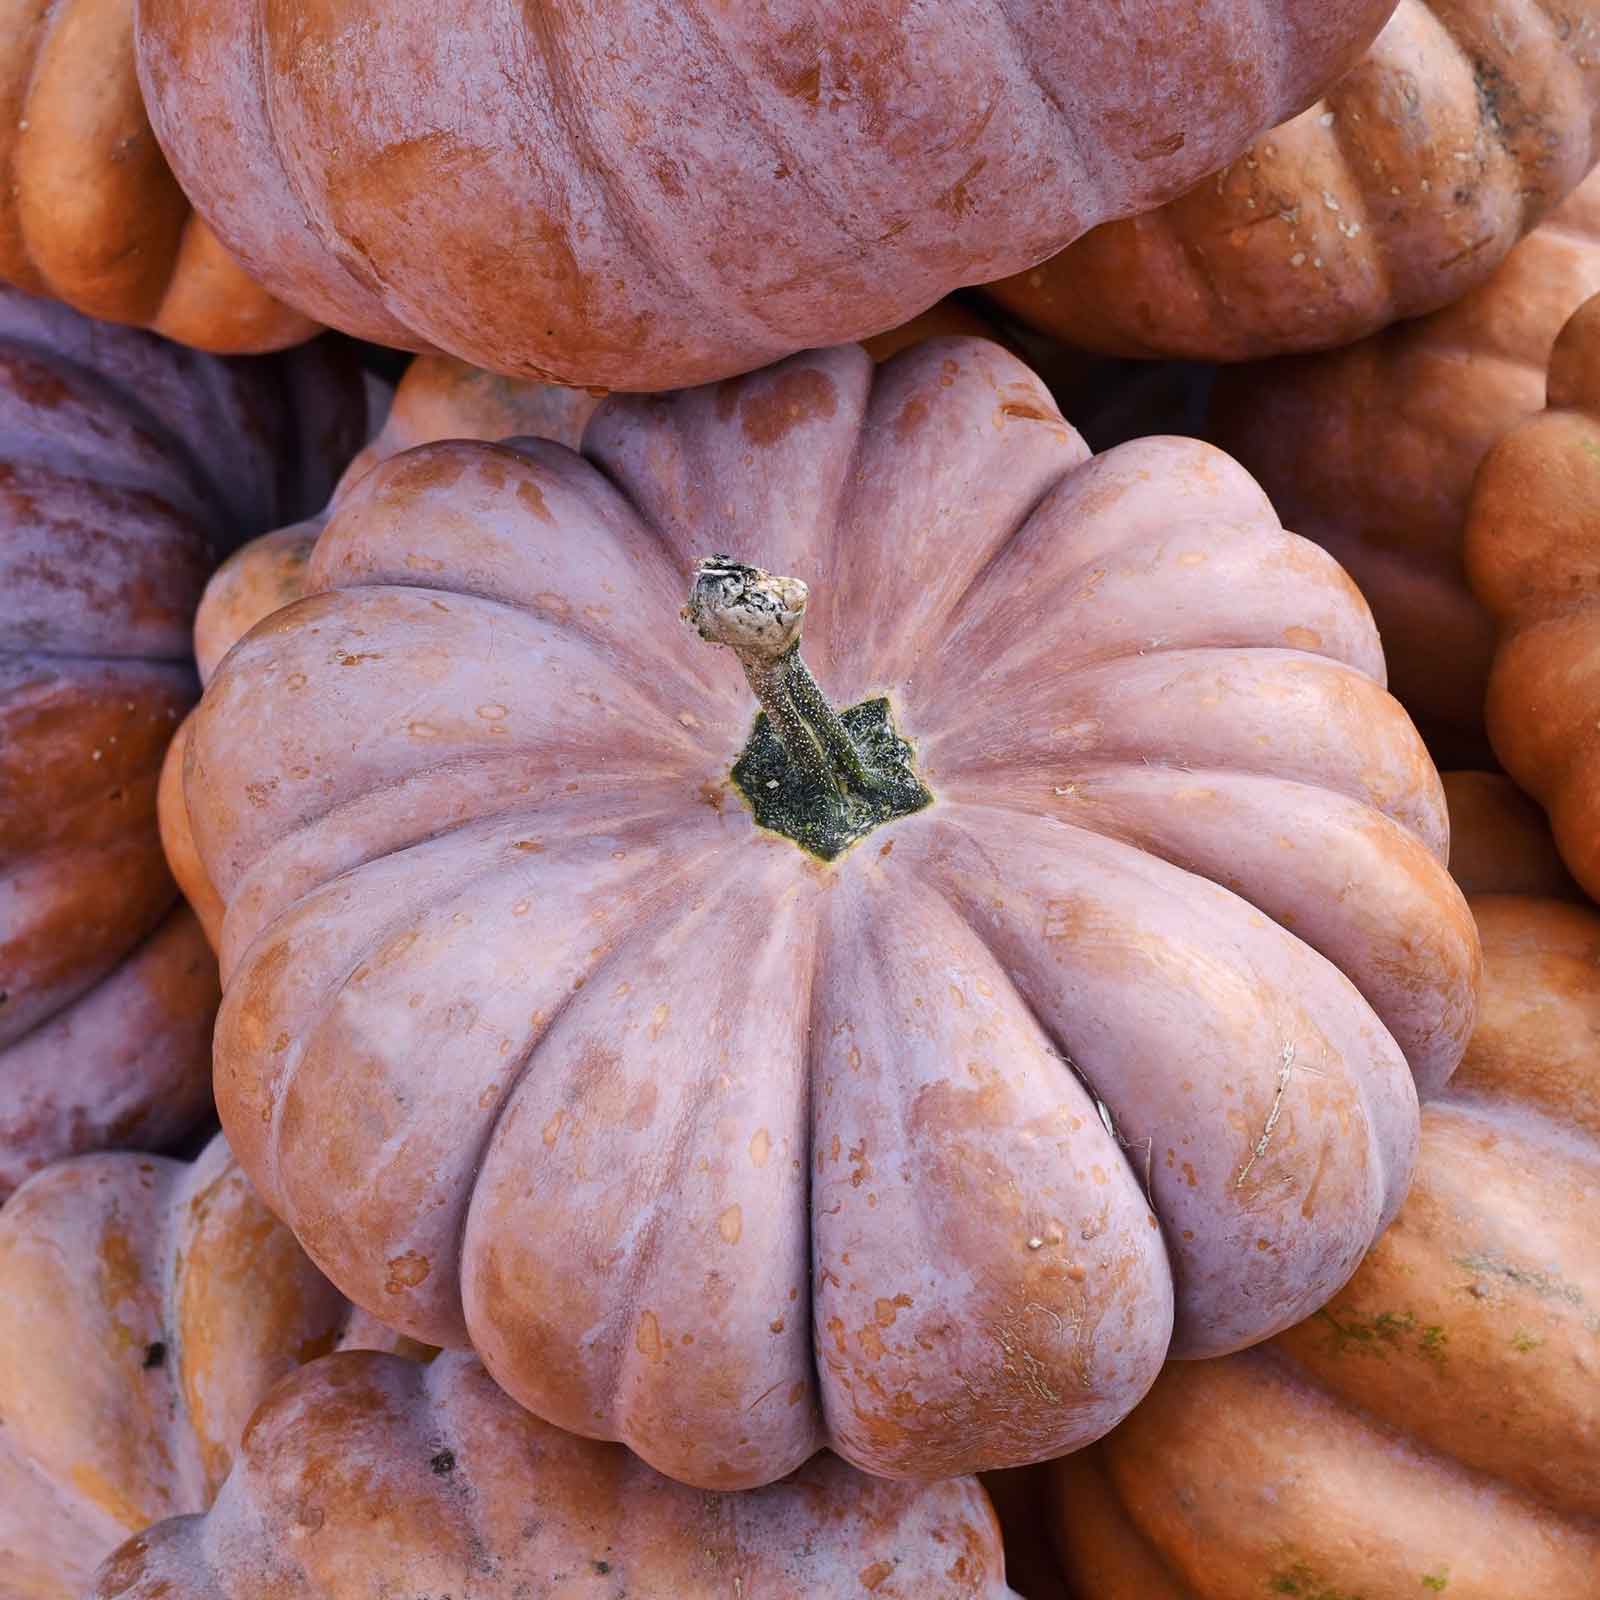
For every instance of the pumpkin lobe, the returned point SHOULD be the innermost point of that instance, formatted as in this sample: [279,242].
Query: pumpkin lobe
[817,777]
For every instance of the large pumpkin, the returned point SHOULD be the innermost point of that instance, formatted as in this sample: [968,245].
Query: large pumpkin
[125,463]
[1436,1428]
[90,213]
[1396,193]
[654,193]
[146,1307]
[1371,451]
[729,1150]
[1533,555]
[364,1474]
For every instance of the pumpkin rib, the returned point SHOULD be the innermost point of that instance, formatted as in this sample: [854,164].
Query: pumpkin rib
[209,507]
[1367,954]
[323,1016]
[1331,1025]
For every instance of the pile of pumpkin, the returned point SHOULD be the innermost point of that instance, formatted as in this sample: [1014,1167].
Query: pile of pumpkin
[768,932]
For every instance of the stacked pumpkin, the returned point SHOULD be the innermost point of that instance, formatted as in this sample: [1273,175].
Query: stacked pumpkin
[788,934]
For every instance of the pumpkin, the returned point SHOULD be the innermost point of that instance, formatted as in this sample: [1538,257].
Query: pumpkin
[146,1307]
[1398,192]
[90,213]
[1499,843]
[1531,552]
[526,191]
[110,517]
[1371,451]
[367,1474]
[545,1035]
[1436,1427]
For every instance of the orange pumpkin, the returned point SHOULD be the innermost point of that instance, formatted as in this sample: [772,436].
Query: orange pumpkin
[363,1474]
[1436,1428]
[570,219]
[146,1306]
[90,213]
[1533,555]
[1370,450]
[111,514]
[918,1147]
[1398,192]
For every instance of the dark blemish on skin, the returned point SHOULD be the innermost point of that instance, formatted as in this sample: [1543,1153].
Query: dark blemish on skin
[155,1355]
[443,1464]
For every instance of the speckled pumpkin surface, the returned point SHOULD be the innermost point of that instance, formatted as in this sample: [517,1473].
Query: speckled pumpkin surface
[1533,556]
[146,1307]
[928,1153]
[659,192]
[1437,1428]
[1395,194]
[1371,451]
[125,462]
[90,213]
[364,1477]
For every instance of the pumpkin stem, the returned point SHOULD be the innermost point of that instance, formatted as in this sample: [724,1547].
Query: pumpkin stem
[759,617]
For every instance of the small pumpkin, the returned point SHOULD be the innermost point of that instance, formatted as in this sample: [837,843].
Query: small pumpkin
[111,515]
[146,1307]
[1398,192]
[926,1147]
[1371,451]
[365,1473]
[1435,1428]
[90,213]
[568,221]
[1534,560]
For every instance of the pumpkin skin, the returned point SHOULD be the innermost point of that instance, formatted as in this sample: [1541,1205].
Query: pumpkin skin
[438,398]
[1531,557]
[146,1307]
[524,1007]
[364,1475]
[845,171]
[1499,843]
[1371,451]
[1436,1427]
[1398,192]
[90,213]
[108,525]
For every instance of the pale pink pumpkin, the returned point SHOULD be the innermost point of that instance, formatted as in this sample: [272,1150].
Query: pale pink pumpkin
[927,1153]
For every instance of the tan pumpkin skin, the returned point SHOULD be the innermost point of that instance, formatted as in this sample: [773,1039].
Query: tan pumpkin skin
[1531,553]
[1371,451]
[1437,1427]
[1499,843]
[710,187]
[1398,192]
[90,213]
[146,1306]
[487,880]
[109,521]
[364,1476]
